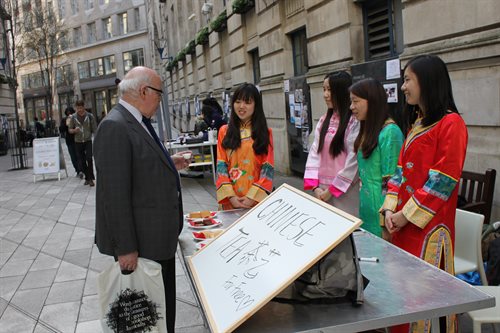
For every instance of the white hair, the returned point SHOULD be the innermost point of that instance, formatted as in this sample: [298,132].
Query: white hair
[131,84]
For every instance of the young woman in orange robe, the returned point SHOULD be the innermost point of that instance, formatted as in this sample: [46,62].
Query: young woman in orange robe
[245,155]
[421,199]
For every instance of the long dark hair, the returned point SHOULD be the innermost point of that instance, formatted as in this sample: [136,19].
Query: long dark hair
[373,91]
[260,134]
[436,95]
[339,92]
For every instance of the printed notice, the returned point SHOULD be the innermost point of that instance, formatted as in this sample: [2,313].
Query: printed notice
[46,156]
[392,69]
[263,252]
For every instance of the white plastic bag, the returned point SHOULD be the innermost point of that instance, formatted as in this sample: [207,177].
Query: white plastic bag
[134,302]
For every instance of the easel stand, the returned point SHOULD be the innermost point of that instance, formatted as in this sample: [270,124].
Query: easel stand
[48,158]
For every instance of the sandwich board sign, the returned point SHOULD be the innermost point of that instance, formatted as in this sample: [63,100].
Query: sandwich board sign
[263,252]
[48,157]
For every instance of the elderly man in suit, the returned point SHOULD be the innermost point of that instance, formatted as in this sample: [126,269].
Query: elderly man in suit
[138,198]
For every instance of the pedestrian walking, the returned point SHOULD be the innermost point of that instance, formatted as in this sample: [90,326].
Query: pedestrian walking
[82,124]
[69,138]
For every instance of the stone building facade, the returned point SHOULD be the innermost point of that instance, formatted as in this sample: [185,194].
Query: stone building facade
[105,38]
[275,40]
[6,73]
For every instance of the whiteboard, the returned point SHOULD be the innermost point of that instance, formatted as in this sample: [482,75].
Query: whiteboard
[263,252]
[46,157]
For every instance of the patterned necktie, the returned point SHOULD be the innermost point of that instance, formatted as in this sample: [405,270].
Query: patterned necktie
[152,131]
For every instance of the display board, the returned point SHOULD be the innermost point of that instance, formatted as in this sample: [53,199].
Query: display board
[263,252]
[47,156]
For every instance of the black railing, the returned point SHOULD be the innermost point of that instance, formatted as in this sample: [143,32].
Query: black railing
[16,145]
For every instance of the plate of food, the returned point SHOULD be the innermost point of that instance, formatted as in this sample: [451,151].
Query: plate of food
[206,234]
[203,214]
[205,223]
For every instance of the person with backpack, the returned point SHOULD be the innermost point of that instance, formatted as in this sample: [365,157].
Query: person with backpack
[82,124]
[70,139]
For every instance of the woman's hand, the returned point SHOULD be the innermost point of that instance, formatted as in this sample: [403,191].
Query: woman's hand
[317,192]
[247,202]
[237,202]
[386,235]
[326,195]
[388,221]
[398,221]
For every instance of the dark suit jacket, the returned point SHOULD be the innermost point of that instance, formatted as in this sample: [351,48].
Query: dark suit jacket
[138,206]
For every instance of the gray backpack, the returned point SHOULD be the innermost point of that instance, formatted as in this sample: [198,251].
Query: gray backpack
[334,278]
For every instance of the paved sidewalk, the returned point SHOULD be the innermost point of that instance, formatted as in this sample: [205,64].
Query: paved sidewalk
[48,260]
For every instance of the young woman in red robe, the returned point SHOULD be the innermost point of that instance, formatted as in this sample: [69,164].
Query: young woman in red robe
[421,200]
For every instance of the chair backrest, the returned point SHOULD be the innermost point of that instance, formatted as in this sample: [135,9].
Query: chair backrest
[477,189]
[468,229]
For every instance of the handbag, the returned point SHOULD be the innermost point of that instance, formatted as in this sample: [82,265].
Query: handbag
[335,278]
[132,303]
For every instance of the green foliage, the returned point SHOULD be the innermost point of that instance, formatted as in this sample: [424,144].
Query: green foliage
[202,36]
[181,56]
[219,24]
[242,6]
[190,47]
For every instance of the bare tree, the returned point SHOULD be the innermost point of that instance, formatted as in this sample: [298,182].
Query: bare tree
[42,37]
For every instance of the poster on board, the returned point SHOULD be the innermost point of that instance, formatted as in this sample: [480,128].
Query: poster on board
[263,252]
[46,156]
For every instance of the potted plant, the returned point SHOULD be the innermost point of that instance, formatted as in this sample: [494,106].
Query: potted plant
[202,36]
[190,47]
[242,6]
[219,24]
[170,66]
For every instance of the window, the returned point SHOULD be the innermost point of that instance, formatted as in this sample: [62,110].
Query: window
[33,81]
[61,8]
[25,81]
[255,65]
[132,59]
[382,19]
[83,70]
[106,28]
[64,76]
[63,42]
[103,2]
[77,37]
[299,48]
[91,33]
[89,4]
[96,67]
[109,65]
[74,7]
[122,23]
[28,21]
[137,18]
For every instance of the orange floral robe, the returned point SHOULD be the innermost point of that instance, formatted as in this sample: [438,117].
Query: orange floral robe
[242,173]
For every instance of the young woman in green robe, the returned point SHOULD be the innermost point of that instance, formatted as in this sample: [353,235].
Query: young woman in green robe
[377,145]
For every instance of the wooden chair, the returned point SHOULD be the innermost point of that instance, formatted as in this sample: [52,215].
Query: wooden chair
[478,189]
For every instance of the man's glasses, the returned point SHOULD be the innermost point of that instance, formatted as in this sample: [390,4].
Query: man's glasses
[158,91]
